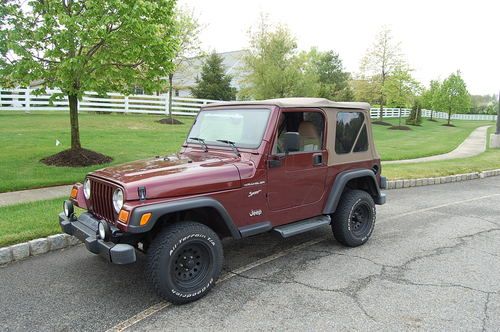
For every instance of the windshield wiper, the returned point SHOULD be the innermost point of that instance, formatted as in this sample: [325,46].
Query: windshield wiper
[233,145]
[201,140]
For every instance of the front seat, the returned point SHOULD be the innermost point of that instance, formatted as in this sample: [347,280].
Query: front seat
[310,139]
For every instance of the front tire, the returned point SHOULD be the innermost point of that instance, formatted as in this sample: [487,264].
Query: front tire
[354,219]
[184,261]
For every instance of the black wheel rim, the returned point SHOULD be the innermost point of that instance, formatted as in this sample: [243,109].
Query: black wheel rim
[190,265]
[361,219]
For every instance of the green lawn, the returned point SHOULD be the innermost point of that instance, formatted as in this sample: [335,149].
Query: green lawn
[488,160]
[429,139]
[27,221]
[27,138]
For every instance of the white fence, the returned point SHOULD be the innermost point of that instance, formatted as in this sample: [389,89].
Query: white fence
[444,115]
[25,99]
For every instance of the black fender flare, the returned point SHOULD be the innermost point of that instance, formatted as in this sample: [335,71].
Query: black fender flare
[341,181]
[160,209]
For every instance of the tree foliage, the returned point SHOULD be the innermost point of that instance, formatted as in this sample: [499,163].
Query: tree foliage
[187,30]
[380,61]
[275,69]
[415,117]
[86,45]
[214,82]
[400,89]
[332,79]
[273,64]
[453,95]
[431,97]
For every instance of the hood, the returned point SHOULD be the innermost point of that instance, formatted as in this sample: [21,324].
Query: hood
[173,176]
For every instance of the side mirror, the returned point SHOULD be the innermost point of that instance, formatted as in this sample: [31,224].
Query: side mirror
[292,142]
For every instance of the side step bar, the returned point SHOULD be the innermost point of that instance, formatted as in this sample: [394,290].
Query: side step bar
[302,226]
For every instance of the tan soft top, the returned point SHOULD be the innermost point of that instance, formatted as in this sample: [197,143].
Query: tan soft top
[297,102]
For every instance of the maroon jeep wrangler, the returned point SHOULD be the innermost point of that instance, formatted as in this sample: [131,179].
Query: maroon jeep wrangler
[284,165]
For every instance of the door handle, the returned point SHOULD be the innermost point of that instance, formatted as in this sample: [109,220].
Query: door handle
[317,160]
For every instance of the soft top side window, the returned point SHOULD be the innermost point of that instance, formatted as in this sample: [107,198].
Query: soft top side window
[351,133]
[309,124]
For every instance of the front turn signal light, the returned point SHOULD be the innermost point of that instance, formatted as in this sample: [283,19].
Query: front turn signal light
[123,216]
[74,193]
[145,218]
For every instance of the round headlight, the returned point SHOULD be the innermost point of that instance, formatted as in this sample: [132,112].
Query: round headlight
[86,188]
[118,200]
[103,230]
[68,208]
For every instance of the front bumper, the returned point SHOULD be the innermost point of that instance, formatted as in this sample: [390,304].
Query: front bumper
[85,228]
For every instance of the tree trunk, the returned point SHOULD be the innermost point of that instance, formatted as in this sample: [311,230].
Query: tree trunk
[73,117]
[432,113]
[400,116]
[449,116]
[170,90]
[381,115]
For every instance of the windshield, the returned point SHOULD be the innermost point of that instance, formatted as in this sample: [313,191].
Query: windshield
[244,127]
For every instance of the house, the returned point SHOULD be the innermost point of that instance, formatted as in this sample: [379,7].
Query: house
[185,77]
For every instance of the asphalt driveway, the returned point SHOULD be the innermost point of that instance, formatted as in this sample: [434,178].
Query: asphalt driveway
[433,263]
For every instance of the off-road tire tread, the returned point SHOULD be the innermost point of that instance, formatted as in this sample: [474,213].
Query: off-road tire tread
[341,216]
[165,239]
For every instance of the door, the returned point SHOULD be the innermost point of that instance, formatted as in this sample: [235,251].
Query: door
[298,178]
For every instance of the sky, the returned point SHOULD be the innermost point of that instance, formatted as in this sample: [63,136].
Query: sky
[437,37]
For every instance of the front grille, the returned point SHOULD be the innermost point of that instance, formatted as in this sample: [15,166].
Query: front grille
[101,200]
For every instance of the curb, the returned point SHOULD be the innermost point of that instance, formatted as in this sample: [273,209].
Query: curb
[36,247]
[408,183]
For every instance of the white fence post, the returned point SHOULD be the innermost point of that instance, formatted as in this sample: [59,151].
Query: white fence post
[27,100]
[126,104]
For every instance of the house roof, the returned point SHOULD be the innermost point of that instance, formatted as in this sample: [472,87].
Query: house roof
[232,62]
[298,102]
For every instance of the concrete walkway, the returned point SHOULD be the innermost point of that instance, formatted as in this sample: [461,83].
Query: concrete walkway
[472,146]
[32,195]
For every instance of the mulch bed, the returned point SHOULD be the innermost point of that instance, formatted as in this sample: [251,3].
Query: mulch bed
[381,123]
[399,128]
[433,120]
[169,121]
[76,158]
[448,125]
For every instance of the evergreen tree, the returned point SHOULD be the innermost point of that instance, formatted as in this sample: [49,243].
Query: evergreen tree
[214,82]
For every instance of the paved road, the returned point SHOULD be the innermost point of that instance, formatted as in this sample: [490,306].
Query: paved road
[472,146]
[432,264]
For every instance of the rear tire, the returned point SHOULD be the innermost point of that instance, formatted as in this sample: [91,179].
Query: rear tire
[184,261]
[354,220]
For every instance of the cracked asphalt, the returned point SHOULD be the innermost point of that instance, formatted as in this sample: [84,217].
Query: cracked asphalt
[433,263]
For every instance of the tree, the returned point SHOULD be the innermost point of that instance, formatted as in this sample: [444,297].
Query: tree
[187,29]
[415,117]
[400,89]
[78,46]
[332,79]
[380,61]
[453,95]
[431,99]
[366,89]
[273,65]
[214,82]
